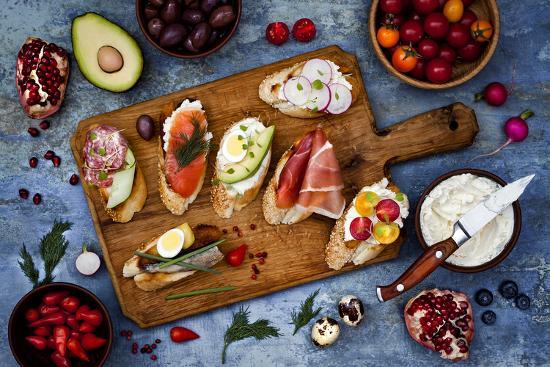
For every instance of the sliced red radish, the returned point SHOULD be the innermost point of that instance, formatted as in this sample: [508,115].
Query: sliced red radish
[317,69]
[340,99]
[360,228]
[297,90]
[319,98]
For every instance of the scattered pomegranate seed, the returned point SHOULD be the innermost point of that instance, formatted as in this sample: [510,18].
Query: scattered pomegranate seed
[261,261]
[264,254]
[153,357]
[240,233]
[134,351]
[134,345]
[157,341]
[250,255]
[123,333]
[24,193]
[224,231]
[129,333]
[235,229]
[74,179]
[49,154]
[33,131]
[255,269]
[56,161]
[253,227]
[258,254]
[253,277]
[37,199]
[149,351]
[33,162]
[44,125]
[153,346]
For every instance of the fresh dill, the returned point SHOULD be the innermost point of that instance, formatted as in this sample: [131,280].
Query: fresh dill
[302,318]
[192,146]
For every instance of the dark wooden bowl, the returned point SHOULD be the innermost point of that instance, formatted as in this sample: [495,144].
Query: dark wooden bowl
[27,356]
[507,248]
[140,5]
[484,9]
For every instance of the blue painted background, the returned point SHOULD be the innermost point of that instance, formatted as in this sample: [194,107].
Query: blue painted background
[522,62]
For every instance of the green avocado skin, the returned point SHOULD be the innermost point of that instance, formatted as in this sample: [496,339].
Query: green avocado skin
[89,32]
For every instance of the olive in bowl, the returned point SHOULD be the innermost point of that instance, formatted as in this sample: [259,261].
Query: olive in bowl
[60,324]
[188,28]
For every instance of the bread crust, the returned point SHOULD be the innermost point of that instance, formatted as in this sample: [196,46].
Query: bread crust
[269,89]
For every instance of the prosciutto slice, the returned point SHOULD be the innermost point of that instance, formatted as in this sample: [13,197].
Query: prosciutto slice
[321,181]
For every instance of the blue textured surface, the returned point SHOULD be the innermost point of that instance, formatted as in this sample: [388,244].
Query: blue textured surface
[521,61]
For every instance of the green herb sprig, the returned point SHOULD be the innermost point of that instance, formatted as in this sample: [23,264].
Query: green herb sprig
[302,318]
[52,249]
[241,328]
[192,146]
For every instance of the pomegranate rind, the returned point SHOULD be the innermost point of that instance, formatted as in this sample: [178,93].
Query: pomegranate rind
[415,329]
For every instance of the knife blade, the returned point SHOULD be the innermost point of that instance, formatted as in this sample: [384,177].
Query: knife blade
[478,217]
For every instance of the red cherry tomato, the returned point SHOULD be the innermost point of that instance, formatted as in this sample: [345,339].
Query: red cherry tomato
[425,6]
[470,52]
[468,18]
[180,334]
[438,71]
[436,25]
[393,19]
[458,35]
[428,49]
[411,32]
[415,16]
[404,59]
[419,71]
[391,6]
[447,53]
[235,257]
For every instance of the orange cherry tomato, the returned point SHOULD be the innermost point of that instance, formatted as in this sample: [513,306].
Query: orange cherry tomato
[453,10]
[404,59]
[481,30]
[385,233]
[387,36]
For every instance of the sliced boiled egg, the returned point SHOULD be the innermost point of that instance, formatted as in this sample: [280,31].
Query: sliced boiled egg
[171,243]
[234,147]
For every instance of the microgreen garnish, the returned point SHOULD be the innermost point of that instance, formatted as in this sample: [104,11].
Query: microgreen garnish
[241,328]
[93,136]
[101,151]
[251,154]
[317,84]
[245,146]
[386,218]
[337,96]
[299,86]
[243,127]
[315,109]
[399,196]
[302,318]
[102,175]
[231,171]
[192,146]
[240,137]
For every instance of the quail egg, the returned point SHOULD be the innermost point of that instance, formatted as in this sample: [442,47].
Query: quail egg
[325,331]
[351,310]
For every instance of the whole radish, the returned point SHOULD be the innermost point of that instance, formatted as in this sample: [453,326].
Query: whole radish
[516,129]
[87,262]
[494,94]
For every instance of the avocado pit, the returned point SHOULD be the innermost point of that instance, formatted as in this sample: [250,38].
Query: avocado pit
[109,59]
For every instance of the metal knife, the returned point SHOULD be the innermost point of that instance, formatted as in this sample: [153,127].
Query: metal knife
[466,227]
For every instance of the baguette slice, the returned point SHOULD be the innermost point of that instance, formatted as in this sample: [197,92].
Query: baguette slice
[270,86]
[226,201]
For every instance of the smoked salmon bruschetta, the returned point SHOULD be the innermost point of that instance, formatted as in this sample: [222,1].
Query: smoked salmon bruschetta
[307,180]
[111,167]
[311,89]
[182,156]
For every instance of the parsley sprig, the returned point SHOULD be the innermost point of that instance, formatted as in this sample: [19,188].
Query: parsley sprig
[302,318]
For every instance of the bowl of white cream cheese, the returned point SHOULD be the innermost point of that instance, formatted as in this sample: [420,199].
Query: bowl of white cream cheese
[451,196]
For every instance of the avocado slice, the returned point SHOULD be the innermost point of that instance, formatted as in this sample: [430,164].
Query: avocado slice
[236,172]
[123,181]
[90,32]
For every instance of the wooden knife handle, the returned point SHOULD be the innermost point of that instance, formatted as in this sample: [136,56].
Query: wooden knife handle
[419,270]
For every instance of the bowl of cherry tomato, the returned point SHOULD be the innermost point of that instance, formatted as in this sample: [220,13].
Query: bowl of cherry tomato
[60,325]
[434,44]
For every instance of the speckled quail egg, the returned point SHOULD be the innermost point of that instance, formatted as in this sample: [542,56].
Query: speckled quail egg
[351,310]
[325,331]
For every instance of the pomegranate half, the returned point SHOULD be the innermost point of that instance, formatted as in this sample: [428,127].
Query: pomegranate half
[42,71]
[441,320]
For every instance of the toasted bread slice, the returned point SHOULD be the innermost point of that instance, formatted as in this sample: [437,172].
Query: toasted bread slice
[273,214]
[270,86]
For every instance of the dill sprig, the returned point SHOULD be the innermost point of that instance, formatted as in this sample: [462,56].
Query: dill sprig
[302,318]
[241,328]
[192,145]
[52,249]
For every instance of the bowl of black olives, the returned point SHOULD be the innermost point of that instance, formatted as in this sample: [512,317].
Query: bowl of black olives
[188,28]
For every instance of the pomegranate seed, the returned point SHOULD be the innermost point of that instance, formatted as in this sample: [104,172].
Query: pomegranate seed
[253,227]
[255,269]
[33,131]
[44,125]
[24,193]
[240,233]
[258,254]
[261,261]
[149,351]
[153,346]
[123,333]
[153,357]
[253,277]
[33,162]
[264,254]
[37,199]
[224,231]
[235,229]
[146,346]
[129,333]
[74,179]
[49,155]
[135,345]
[134,351]
[157,341]
[250,256]
[56,161]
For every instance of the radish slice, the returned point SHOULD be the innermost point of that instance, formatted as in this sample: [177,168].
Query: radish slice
[319,98]
[361,228]
[87,262]
[317,69]
[340,99]
[297,90]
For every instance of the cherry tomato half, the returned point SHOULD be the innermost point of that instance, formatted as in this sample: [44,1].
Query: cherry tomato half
[438,71]
[404,59]
[387,36]
[436,25]
[481,30]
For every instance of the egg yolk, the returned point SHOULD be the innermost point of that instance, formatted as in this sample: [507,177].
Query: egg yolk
[235,145]
[171,240]
[366,202]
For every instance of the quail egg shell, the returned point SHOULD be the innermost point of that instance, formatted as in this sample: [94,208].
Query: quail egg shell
[234,146]
[351,310]
[171,243]
[325,331]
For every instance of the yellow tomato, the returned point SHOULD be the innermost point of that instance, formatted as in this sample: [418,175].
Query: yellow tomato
[366,202]
[453,10]
[482,30]
[385,233]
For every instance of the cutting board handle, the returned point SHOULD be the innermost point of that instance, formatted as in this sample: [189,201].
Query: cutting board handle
[440,130]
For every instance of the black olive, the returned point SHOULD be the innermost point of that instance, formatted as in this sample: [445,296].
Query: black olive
[172,35]
[189,45]
[200,35]
[157,3]
[208,5]
[155,27]
[192,16]
[150,11]
[145,126]
[171,11]
[222,16]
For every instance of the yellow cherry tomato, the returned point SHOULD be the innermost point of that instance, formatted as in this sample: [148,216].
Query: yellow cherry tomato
[387,36]
[366,202]
[482,30]
[453,10]
[385,233]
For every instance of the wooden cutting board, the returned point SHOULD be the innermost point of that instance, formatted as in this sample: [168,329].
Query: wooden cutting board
[295,253]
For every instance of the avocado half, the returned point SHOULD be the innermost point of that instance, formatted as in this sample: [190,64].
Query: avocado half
[90,32]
